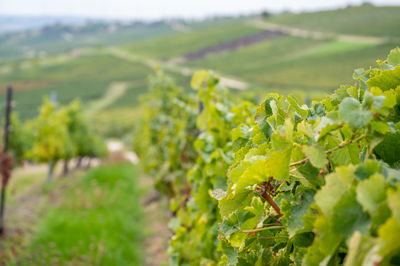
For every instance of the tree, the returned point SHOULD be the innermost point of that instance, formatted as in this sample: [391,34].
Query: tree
[51,141]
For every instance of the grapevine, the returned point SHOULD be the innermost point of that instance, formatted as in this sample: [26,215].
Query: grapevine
[284,183]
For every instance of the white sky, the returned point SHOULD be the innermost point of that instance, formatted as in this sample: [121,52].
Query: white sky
[154,9]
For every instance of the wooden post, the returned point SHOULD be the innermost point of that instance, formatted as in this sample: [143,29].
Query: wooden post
[5,150]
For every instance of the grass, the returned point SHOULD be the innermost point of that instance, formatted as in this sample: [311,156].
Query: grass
[117,122]
[361,20]
[178,44]
[97,222]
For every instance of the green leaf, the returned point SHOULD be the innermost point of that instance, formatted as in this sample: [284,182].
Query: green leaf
[276,166]
[371,192]
[389,237]
[394,57]
[350,110]
[326,126]
[325,244]
[348,215]
[231,203]
[394,203]
[361,250]
[388,149]
[303,239]
[199,79]
[301,110]
[380,127]
[367,169]
[230,252]
[316,154]
[294,210]
[336,185]
[386,80]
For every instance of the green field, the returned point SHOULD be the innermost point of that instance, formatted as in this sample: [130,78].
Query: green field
[91,221]
[361,20]
[86,77]
[296,63]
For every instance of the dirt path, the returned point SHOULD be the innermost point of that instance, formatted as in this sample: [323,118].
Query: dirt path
[155,208]
[156,224]
[261,24]
[115,91]
[26,202]
[173,67]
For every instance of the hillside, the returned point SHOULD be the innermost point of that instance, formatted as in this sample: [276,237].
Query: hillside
[360,20]
[59,38]
[249,52]
[273,54]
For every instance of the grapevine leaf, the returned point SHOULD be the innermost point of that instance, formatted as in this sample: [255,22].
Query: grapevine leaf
[380,127]
[389,237]
[301,110]
[231,203]
[348,216]
[360,248]
[326,126]
[367,169]
[316,154]
[386,80]
[294,210]
[276,166]
[336,185]
[350,110]
[371,192]
[303,239]
[306,174]
[324,245]
[388,149]
[230,252]
[394,57]
[394,203]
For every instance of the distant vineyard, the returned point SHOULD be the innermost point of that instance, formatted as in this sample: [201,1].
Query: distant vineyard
[58,133]
[280,183]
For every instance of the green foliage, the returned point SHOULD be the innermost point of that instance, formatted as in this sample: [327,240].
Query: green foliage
[294,184]
[165,141]
[84,140]
[21,137]
[51,139]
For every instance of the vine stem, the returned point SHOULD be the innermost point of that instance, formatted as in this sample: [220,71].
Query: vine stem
[272,237]
[271,202]
[281,185]
[341,145]
[263,229]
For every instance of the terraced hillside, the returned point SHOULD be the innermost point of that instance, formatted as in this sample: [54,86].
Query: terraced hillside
[274,54]
[364,20]
[250,52]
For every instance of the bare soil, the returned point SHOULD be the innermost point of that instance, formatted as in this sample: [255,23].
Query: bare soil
[235,44]
[156,224]
[27,85]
